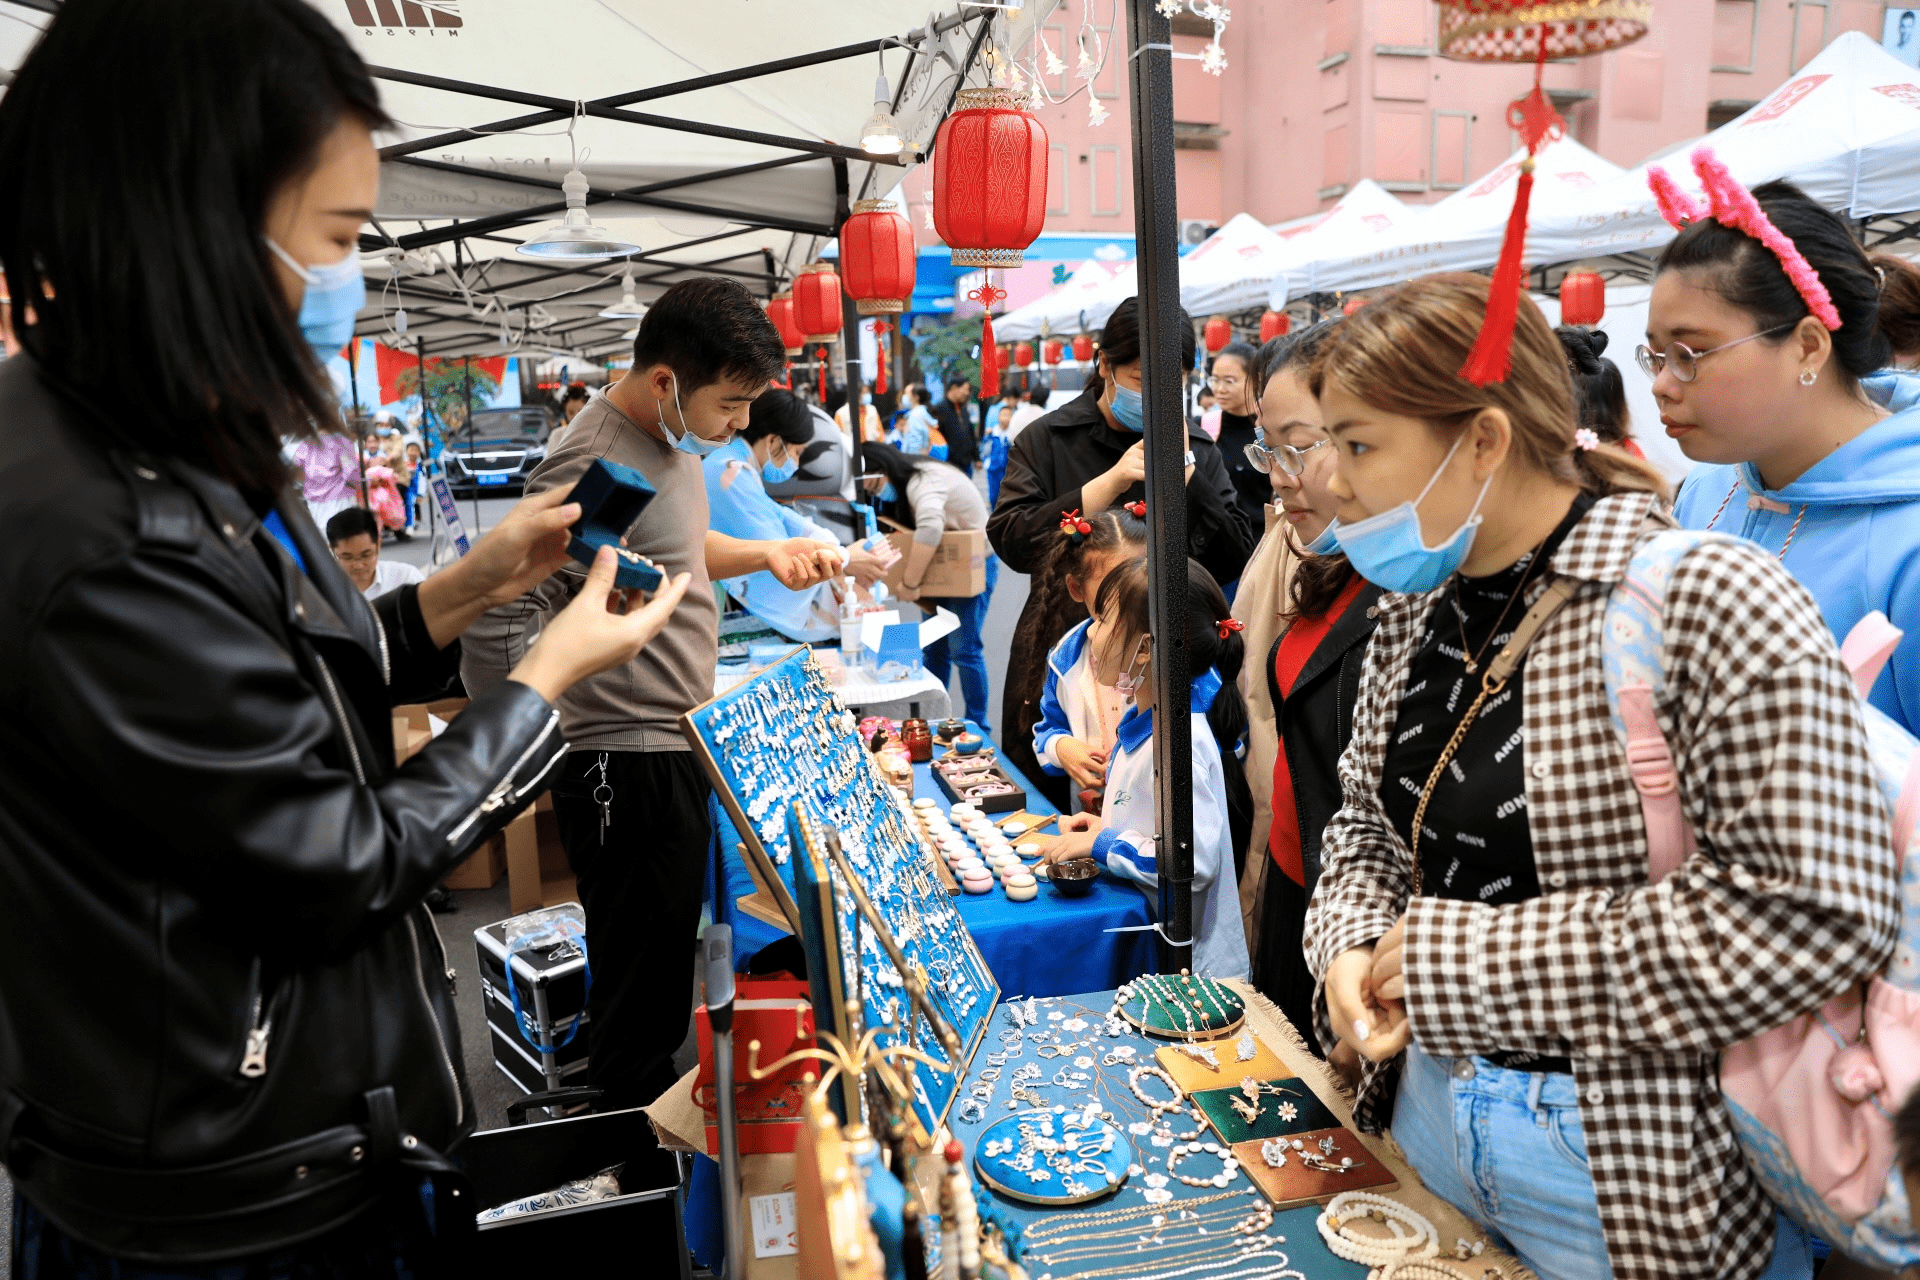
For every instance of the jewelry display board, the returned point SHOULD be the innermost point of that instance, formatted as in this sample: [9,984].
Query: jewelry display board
[1181,1006]
[876,933]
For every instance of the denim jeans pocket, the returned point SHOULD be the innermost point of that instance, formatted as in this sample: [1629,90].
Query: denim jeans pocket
[1567,1135]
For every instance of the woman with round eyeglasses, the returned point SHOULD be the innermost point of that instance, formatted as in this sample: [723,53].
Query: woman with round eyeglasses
[1811,443]
[1307,629]
[1232,382]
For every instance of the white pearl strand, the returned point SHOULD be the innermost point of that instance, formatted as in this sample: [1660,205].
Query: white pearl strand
[1372,1250]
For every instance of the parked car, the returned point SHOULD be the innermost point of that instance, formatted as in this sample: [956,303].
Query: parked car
[497,450]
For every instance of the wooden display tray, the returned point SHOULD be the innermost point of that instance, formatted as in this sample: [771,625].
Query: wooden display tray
[1193,1076]
[1295,1184]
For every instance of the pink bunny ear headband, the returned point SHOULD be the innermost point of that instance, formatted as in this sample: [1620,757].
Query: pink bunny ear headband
[1732,205]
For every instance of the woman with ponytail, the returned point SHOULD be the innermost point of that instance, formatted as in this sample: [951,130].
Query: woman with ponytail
[1123,837]
[1541,1022]
[1779,380]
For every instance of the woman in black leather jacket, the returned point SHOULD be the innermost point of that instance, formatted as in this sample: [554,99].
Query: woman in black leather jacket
[193,697]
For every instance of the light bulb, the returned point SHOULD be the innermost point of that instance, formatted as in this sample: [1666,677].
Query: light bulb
[879,137]
[400,322]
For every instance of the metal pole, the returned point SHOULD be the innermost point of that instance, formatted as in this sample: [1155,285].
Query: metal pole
[428,457]
[856,380]
[466,370]
[1155,226]
[359,445]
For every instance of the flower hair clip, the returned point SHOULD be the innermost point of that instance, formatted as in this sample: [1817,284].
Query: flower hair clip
[1586,440]
[1229,625]
[1138,509]
[1732,205]
[1073,526]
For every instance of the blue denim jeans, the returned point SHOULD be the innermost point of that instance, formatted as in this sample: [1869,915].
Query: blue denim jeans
[1507,1150]
[963,648]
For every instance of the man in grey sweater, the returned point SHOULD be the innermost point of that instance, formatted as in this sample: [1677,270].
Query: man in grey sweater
[631,799]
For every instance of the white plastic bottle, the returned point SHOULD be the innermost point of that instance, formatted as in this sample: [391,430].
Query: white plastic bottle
[851,652]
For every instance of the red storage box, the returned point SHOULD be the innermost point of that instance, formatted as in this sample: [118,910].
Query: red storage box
[776,1012]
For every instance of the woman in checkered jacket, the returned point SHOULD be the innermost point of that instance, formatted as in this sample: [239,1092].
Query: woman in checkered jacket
[1542,1026]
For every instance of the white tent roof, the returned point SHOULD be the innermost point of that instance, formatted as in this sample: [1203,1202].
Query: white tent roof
[1846,129]
[1230,269]
[1460,233]
[1085,294]
[1367,212]
[706,168]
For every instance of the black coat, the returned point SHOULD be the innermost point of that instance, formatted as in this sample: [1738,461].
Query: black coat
[1250,485]
[205,845]
[963,447]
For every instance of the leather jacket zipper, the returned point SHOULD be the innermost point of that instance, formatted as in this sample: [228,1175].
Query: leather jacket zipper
[340,713]
[433,1018]
[505,793]
[253,1058]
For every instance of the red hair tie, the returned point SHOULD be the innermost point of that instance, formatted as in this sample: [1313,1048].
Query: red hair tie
[1073,526]
[1139,510]
[1229,625]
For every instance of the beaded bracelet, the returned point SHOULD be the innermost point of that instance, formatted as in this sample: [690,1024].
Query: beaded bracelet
[1375,1251]
[1229,1166]
[1173,1104]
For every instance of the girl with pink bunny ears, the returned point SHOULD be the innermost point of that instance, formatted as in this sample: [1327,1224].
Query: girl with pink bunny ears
[1767,346]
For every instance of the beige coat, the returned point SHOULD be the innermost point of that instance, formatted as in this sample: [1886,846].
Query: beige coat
[1265,593]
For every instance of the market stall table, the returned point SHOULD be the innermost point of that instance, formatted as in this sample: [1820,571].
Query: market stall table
[1049,946]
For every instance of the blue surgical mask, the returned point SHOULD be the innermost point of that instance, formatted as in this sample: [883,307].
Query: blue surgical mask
[1128,408]
[1328,542]
[698,446]
[780,472]
[1387,549]
[335,293]
[887,493]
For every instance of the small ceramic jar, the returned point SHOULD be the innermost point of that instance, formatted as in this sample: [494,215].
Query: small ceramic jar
[1012,830]
[1022,888]
[924,803]
[962,812]
[1028,849]
[977,881]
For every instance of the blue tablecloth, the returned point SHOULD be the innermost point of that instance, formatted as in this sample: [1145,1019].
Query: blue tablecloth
[1053,945]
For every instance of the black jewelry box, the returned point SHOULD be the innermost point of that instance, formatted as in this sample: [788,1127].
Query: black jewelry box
[956,785]
[611,498]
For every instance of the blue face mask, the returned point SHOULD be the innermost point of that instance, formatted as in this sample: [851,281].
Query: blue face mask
[1328,542]
[887,493]
[780,472]
[1129,410]
[335,294]
[1387,549]
[698,446]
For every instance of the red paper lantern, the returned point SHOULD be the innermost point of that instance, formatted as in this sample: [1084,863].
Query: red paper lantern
[1052,351]
[1352,305]
[989,179]
[816,302]
[1083,347]
[1023,354]
[1274,324]
[1218,332]
[1583,298]
[780,311]
[877,257]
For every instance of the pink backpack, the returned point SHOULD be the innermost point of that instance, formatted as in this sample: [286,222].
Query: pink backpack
[1812,1101]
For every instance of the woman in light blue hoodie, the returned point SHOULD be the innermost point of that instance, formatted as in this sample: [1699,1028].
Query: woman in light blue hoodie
[1812,443]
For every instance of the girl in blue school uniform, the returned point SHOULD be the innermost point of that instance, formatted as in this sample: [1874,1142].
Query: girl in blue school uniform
[1123,838]
[1078,716]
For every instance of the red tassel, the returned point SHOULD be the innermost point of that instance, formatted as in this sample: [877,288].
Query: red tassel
[989,360]
[820,355]
[880,331]
[1492,354]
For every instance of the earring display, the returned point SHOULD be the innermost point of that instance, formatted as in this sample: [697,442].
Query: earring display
[1272,1109]
[1180,1007]
[1311,1167]
[1044,1158]
[1194,1073]
[780,747]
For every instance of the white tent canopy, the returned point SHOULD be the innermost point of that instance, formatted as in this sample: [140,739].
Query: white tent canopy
[722,137]
[1461,233]
[1230,269]
[1846,130]
[1082,299]
[1364,214]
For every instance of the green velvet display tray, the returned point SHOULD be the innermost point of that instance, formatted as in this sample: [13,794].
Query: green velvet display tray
[1308,1112]
[1160,1004]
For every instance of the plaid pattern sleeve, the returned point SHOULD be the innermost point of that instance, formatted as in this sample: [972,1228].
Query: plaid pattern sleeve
[1791,900]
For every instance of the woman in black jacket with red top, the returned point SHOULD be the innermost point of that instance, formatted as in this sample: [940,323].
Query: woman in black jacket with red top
[228,1034]
[1088,455]
[1312,669]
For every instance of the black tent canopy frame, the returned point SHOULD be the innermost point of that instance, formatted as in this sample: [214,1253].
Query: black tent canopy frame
[445,308]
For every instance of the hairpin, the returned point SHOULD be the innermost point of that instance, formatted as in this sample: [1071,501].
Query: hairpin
[1231,624]
[1732,205]
[1586,440]
[1073,526]
[1139,510]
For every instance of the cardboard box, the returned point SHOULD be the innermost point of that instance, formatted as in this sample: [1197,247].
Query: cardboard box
[482,868]
[537,870]
[959,568]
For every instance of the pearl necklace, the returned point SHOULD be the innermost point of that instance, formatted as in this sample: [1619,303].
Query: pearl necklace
[1375,1251]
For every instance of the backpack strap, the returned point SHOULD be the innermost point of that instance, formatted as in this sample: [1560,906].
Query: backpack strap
[1866,650]
[1633,661]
